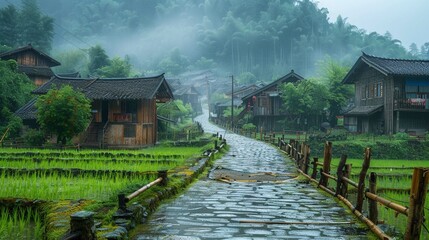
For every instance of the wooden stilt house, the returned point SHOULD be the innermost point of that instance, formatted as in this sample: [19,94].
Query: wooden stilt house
[266,103]
[124,109]
[34,63]
[391,95]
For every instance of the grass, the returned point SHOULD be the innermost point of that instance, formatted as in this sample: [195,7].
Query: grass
[58,187]
[389,216]
[100,187]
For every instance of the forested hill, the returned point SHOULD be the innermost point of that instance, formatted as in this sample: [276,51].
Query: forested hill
[266,38]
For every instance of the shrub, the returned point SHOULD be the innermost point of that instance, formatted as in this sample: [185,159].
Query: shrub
[401,136]
[34,138]
[249,127]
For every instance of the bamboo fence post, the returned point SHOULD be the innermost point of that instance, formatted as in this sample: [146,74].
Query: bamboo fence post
[347,172]
[306,158]
[362,176]
[303,151]
[292,148]
[340,173]
[327,157]
[373,210]
[419,188]
[314,174]
[298,154]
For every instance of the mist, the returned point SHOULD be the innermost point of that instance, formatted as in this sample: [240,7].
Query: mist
[265,38]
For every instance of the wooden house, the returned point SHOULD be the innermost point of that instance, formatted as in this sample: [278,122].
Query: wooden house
[34,63]
[391,95]
[266,104]
[124,109]
[189,95]
[242,91]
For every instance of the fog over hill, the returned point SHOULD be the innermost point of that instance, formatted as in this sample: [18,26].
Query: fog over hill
[265,38]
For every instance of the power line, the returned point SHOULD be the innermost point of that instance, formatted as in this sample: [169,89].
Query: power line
[64,29]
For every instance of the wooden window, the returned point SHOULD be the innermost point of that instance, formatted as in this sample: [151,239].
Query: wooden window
[129,131]
[378,89]
[366,92]
[371,92]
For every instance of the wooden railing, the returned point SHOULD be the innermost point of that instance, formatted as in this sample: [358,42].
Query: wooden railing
[412,103]
[123,200]
[414,212]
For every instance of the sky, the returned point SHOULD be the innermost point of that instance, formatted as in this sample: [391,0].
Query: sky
[406,20]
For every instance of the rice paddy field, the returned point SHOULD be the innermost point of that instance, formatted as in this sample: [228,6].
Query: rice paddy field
[59,175]
[393,183]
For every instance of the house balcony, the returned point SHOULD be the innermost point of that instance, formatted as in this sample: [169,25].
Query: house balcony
[411,104]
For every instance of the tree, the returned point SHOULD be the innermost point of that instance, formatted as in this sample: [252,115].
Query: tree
[339,93]
[97,59]
[27,25]
[246,78]
[306,99]
[72,61]
[8,25]
[116,68]
[15,88]
[63,112]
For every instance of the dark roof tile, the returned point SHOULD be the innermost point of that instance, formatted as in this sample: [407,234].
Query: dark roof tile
[113,88]
[388,66]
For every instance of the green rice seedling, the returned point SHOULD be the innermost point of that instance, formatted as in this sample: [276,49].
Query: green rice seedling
[58,187]
[20,223]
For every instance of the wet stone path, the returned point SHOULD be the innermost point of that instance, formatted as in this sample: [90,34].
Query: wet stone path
[216,210]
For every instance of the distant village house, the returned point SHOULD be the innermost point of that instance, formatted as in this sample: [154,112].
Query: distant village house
[34,63]
[266,103]
[391,96]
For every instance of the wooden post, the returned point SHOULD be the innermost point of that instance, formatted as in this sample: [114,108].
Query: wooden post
[362,176]
[326,163]
[301,158]
[347,172]
[122,202]
[373,210]
[314,174]
[340,173]
[163,174]
[83,223]
[418,192]
[306,158]
[292,152]
[297,154]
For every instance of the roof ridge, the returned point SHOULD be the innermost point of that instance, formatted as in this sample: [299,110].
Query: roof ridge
[394,59]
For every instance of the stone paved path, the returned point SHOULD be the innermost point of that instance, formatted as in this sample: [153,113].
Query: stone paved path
[213,210]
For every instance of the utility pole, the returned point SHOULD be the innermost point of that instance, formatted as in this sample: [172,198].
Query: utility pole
[232,102]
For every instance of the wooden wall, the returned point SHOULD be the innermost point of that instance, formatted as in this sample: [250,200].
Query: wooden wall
[146,126]
[31,59]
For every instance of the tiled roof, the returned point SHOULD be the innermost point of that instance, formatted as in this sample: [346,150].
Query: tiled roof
[29,47]
[113,88]
[388,66]
[70,75]
[364,110]
[290,77]
[189,90]
[28,111]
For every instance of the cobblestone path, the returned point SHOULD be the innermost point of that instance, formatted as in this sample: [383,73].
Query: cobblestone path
[215,210]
